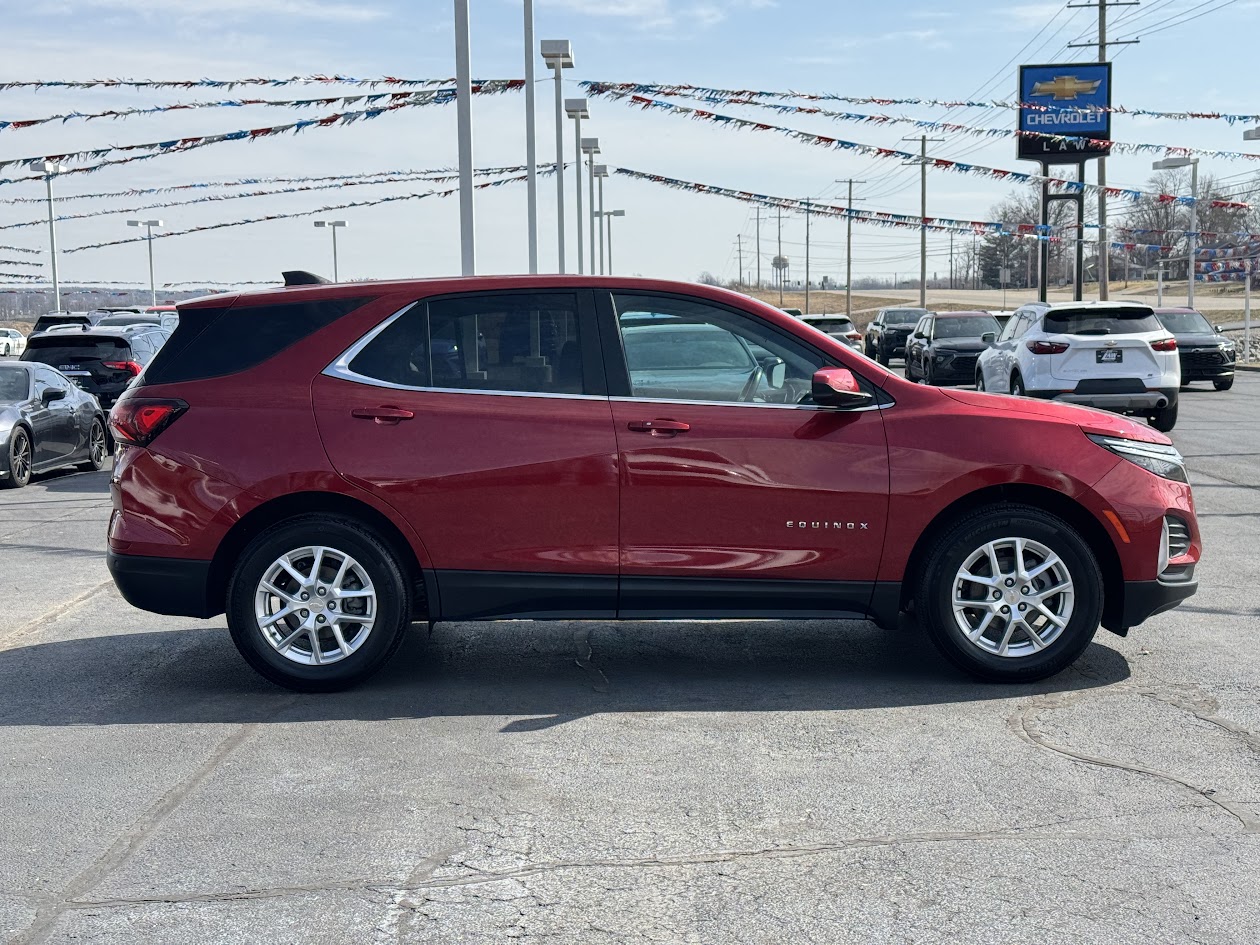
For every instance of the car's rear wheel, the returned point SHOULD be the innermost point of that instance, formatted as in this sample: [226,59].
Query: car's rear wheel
[96,448]
[1010,594]
[318,604]
[1224,383]
[19,459]
[1165,418]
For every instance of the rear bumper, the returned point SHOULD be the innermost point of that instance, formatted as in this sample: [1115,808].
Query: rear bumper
[175,586]
[1145,599]
[1120,401]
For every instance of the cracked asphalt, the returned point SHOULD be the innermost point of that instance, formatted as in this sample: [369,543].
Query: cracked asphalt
[741,782]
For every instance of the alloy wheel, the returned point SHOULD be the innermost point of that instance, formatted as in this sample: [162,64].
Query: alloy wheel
[96,444]
[20,457]
[315,605]
[1013,597]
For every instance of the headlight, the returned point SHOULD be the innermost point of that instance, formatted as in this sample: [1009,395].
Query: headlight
[1163,461]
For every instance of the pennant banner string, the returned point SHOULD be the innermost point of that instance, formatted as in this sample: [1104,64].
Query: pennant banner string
[439,96]
[1070,142]
[437,173]
[20,262]
[392,98]
[943,164]
[637,88]
[223,83]
[877,218]
[305,213]
[21,249]
[217,198]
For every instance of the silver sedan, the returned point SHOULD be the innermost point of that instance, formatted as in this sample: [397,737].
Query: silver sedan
[45,423]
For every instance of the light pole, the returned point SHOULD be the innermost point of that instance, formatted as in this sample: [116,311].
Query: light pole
[50,169]
[332,226]
[463,111]
[148,228]
[600,171]
[558,54]
[531,147]
[608,215]
[576,109]
[1192,237]
[923,165]
[590,147]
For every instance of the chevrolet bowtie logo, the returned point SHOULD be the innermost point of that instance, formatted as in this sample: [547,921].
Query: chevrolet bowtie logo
[1066,87]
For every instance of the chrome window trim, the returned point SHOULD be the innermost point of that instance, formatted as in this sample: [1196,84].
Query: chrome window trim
[340,369]
[728,403]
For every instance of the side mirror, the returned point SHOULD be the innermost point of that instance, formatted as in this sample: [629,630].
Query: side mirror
[1218,328]
[775,372]
[989,337]
[52,394]
[837,387]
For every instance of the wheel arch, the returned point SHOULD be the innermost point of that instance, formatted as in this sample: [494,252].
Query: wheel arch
[277,510]
[1048,500]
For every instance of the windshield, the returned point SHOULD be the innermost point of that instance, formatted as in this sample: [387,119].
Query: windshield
[970,326]
[14,384]
[903,316]
[1185,322]
[671,348]
[1088,321]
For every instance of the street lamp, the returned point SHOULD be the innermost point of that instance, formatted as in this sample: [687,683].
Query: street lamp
[608,215]
[576,109]
[1192,238]
[148,229]
[50,169]
[464,136]
[531,145]
[590,147]
[332,227]
[558,54]
[600,171]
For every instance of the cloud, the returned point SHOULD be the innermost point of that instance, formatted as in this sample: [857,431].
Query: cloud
[230,9]
[655,14]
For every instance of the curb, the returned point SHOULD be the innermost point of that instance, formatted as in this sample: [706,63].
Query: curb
[1247,367]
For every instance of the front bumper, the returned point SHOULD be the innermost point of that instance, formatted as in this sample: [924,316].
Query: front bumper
[1145,599]
[175,586]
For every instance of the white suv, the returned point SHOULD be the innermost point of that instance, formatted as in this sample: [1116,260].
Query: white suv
[1113,355]
[12,342]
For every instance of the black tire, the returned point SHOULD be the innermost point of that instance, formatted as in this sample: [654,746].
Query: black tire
[868,349]
[1225,383]
[97,447]
[21,454]
[934,594]
[979,380]
[1165,419]
[929,375]
[1017,386]
[7,352]
[348,536]
[882,356]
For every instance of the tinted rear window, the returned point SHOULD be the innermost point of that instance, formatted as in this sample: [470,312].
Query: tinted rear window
[903,316]
[1087,321]
[60,349]
[212,342]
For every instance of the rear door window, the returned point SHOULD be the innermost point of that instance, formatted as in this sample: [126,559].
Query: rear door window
[509,342]
[1087,321]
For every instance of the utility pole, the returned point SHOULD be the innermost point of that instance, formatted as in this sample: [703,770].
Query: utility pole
[758,246]
[922,162]
[848,247]
[806,255]
[739,243]
[951,260]
[779,255]
[1104,273]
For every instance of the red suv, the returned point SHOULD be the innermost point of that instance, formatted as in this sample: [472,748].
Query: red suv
[328,463]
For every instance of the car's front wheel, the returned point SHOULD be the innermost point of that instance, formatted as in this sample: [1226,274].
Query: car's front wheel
[1010,594]
[1017,385]
[318,603]
[1224,383]
[19,460]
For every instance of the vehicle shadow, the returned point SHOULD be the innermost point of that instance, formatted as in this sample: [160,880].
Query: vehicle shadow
[532,675]
[72,482]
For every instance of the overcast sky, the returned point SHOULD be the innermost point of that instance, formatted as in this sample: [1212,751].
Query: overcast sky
[895,48]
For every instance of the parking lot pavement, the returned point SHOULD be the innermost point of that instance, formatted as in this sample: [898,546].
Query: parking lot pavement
[600,783]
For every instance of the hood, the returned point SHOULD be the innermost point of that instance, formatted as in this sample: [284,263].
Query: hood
[1199,339]
[961,344]
[1088,419]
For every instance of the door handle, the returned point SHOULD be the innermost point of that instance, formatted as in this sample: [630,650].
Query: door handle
[382,415]
[659,427]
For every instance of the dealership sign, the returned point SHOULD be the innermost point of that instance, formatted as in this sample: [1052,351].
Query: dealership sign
[1073,100]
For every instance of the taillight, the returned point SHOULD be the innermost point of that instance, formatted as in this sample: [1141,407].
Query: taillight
[853,335]
[137,420]
[131,367]
[1047,347]
[1168,344]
